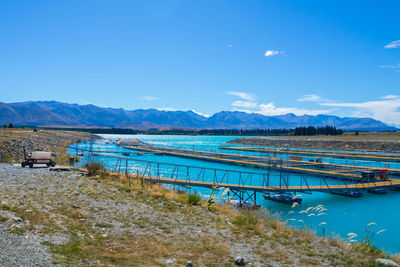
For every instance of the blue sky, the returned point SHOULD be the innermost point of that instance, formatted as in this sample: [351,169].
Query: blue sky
[271,57]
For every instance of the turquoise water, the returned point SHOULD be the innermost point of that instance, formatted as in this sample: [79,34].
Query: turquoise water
[342,215]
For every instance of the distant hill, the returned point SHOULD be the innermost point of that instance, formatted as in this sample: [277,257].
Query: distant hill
[52,113]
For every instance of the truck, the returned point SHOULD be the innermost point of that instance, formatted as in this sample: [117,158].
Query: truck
[37,157]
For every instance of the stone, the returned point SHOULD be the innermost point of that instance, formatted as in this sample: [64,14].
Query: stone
[386,262]
[169,261]
[17,220]
[189,264]
[239,261]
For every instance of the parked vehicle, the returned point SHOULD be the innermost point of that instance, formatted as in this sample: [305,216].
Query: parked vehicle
[38,157]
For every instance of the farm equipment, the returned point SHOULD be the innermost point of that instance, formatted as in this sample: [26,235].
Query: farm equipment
[37,157]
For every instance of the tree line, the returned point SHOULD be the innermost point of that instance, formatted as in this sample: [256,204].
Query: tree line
[9,125]
[310,130]
[298,131]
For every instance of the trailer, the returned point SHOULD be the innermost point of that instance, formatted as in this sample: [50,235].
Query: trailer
[38,157]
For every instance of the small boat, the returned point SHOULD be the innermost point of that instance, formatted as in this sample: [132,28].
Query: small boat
[378,191]
[283,198]
[140,154]
[347,193]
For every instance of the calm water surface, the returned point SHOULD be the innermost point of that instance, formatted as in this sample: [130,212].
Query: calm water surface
[343,215]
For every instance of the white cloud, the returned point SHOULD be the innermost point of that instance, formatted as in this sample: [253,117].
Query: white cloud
[394,44]
[390,96]
[270,53]
[167,109]
[270,109]
[311,97]
[229,45]
[386,110]
[245,104]
[149,98]
[242,95]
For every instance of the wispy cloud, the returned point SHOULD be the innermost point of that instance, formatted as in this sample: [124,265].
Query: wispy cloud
[395,67]
[394,44]
[270,109]
[244,104]
[242,95]
[390,96]
[270,53]
[311,97]
[229,45]
[386,109]
[249,105]
[149,98]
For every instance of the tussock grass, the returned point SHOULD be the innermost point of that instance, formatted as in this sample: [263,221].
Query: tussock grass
[193,199]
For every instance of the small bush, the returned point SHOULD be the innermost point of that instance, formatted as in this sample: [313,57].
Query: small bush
[95,168]
[248,221]
[194,199]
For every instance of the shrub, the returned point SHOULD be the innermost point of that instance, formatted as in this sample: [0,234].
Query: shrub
[95,168]
[194,199]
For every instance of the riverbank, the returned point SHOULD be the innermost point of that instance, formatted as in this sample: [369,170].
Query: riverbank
[381,141]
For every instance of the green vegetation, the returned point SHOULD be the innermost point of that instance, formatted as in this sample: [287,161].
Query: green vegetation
[194,199]
[310,130]
[104,225]
[248,221]
[17,231]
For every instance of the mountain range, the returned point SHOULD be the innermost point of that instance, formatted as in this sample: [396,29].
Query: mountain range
[58,114]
